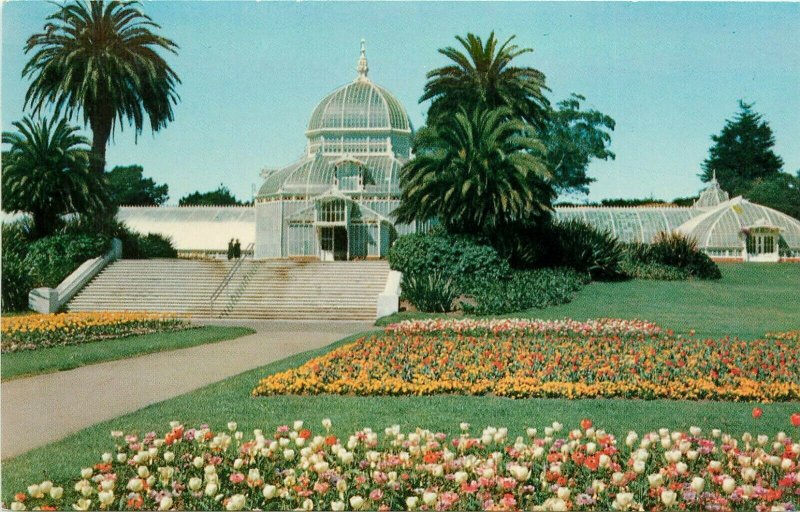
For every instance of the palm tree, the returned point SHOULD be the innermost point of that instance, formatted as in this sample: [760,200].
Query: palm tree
[100,58]
[46,173]
[476,173]
[485,76]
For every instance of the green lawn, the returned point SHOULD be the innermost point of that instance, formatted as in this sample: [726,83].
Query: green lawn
[45,360]
[230,400]
[749,300]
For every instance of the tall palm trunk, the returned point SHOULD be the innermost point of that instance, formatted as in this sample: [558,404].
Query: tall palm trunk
[101,132]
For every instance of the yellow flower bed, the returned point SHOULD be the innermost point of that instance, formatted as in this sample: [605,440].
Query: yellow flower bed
[522,359]
[37,331]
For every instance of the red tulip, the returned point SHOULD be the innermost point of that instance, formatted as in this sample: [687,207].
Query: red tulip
[586,423]
[795,419]
[757,412]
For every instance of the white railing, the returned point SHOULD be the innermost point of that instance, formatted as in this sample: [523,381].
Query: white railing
[389,299]
[50,300]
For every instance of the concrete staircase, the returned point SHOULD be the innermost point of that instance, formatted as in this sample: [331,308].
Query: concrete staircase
[266,289]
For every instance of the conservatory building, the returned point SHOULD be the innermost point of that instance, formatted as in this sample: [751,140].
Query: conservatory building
[336,202]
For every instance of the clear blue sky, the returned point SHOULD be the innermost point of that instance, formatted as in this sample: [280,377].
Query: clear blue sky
[668,73]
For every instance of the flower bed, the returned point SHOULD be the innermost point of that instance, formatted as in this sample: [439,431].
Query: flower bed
[295,468]
[31,332]
[520,359]
[784,336]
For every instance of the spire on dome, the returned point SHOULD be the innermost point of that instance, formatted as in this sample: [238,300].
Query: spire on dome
[712,195]
[363,68]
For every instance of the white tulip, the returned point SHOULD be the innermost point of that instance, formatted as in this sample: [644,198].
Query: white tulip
[728,485]
[337,506]
[681,468]
[429,498]
[195,484]
[165,503]
[16,505]
[698,484]
[356,501]
[638,467]
[269,491]
[86,473]
[288,454]
[655,480]
[668,498]
[169,457]
[56,493]
[327,424]
[236,502]
[232,426]
[563,493]
[460,477]
[107,458]
[122,458]
[297,425]
[34,491]
[211,489]
[106,498]
[135,484]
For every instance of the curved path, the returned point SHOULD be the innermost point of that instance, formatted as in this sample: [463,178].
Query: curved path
[45,408]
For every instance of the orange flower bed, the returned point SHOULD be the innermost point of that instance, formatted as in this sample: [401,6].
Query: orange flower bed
[30,332]
[522,359]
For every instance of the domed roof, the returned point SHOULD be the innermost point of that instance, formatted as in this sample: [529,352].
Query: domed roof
[722,226]
[359,105]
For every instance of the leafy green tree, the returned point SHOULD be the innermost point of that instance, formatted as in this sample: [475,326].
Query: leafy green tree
[476,173]
[781,192]
[573,138]
[742,152]
[101,59]
[220,197]
[484,75]
[46,173]
[128,187]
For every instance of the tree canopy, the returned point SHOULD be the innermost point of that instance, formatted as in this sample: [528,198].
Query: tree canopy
[742,152]
[101,59]
[484,76]
[128,187]
[573,138]
[478,172]
[46,173]
[219,197]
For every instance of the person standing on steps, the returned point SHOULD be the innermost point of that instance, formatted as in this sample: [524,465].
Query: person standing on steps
[237,249]
[230,249]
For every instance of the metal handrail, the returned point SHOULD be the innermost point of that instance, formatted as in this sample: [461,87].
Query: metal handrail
[225,282]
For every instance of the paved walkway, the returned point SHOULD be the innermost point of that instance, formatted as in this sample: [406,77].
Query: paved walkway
[42,409]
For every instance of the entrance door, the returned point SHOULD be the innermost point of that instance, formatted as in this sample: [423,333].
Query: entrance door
[333,243]
[340,251]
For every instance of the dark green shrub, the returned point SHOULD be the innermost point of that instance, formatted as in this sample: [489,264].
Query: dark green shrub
[152,245]
[431,292]
[583,248]
[460,259]
[673,250]
[53,258]
[526,289]
[16,279]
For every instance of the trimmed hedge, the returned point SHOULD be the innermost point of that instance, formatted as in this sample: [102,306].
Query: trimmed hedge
[51,259]
[136,246]
[526,289]
[463,260]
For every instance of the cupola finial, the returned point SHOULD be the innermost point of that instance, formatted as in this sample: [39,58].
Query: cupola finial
[363,68]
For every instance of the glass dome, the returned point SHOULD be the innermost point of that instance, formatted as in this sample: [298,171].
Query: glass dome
[360,105]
